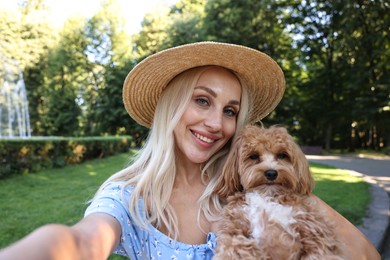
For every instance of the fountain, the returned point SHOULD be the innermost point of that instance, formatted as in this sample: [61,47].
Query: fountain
[14,115]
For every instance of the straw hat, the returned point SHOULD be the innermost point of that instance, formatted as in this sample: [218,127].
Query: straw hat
[145,82]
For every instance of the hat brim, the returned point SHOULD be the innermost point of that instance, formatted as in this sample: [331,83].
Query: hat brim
[261,74]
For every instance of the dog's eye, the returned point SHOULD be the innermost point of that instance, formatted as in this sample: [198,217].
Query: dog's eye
[254,157]
[282,156]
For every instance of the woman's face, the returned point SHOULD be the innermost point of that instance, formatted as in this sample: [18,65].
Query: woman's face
[209,120]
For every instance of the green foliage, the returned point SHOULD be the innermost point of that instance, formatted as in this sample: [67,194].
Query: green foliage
[23,156]
[25,36]
[110,103]
[342,49]
[10,41]
[259,25]
[153,34]
[180,24]
[187,22]
[335,56]
[251,23]
[66,72]
[109,62]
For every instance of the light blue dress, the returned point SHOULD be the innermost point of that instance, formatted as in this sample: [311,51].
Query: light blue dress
[138,243]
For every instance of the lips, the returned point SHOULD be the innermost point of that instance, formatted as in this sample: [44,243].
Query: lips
[203,138]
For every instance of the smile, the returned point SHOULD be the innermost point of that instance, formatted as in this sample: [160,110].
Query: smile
[203,138]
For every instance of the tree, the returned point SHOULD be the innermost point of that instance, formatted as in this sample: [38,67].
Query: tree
[65,76]
[109,51]
[25,42]
[333,37]
[187,18]
[10,40]
[367,43]
[152,36]
[335,55]
[259,25]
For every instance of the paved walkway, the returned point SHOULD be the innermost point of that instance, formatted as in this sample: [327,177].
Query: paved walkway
[376,171]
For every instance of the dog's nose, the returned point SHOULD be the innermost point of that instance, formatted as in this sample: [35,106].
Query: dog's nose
[271,175]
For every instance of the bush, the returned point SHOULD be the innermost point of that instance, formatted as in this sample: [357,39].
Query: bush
[22,156]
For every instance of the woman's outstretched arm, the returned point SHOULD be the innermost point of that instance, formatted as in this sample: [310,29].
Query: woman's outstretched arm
[357,246]
[94,237]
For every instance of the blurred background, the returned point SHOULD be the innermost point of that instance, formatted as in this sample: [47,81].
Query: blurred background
[63,63]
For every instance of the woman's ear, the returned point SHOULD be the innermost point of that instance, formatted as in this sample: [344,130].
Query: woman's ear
[229,181]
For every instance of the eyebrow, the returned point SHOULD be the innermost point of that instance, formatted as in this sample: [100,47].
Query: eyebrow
[211,92]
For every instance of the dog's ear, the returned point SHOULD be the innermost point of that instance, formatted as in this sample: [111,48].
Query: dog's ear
[229,181]
[301,166]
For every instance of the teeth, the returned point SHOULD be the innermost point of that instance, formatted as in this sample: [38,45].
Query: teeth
[204,139]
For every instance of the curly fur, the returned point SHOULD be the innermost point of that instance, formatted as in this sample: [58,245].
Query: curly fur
[269,213]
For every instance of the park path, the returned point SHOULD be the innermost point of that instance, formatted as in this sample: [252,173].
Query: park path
[376,171]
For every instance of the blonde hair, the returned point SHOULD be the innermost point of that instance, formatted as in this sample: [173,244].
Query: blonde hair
[153,172]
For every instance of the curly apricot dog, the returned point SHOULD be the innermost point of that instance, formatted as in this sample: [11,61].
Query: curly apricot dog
[270,213]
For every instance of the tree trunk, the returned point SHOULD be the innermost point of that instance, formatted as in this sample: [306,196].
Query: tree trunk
[328,137]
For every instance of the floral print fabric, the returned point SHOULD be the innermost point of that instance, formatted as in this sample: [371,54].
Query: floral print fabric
[138,243]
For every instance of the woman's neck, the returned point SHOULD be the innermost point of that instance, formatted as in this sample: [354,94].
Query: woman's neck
[188,174]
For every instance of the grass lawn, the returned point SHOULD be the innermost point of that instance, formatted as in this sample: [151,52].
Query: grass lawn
[347,194]
[60,195]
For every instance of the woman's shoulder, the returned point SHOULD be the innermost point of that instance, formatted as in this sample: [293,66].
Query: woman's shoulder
[113,198]
[115,189]
[116,185]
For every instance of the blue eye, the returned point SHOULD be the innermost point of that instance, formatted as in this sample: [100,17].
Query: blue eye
[230,112]
[201,101]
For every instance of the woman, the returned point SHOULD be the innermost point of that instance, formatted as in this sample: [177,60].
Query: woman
[194,98]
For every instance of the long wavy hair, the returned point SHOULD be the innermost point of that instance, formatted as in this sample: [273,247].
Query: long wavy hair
[152,174]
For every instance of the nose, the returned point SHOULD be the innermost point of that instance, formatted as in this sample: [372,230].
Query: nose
[271,175]
[213,121]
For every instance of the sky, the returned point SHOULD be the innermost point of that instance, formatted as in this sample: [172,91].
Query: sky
[62,9]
